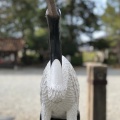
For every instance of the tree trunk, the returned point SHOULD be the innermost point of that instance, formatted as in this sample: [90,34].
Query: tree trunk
[118,52]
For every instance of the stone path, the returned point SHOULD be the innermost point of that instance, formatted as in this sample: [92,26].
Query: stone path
[20,89]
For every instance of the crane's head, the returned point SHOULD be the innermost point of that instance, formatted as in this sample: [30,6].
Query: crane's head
[52,9]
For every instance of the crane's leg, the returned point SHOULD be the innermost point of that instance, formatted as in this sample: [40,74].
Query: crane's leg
[72,113]
[45,113]
[78,116]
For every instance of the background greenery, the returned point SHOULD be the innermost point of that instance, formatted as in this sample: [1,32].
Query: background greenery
[26,19]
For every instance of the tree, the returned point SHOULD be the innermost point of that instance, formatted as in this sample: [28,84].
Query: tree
[111,20]
[5,17]
[22,18]
[77,18]
[25,18]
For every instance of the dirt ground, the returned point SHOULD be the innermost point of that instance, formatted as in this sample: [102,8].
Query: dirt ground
[20,93]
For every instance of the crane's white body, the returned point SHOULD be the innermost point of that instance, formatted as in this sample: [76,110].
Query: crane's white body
[59,91]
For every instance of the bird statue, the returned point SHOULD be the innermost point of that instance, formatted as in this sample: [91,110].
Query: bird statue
[59,85]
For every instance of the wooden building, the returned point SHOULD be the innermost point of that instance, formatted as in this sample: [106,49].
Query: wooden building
[9,49]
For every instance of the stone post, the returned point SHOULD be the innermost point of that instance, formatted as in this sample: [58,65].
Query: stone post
[97,91]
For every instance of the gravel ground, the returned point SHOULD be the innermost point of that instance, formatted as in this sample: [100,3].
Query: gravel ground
[20,89]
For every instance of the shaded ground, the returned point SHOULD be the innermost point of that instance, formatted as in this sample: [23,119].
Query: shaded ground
[19,93]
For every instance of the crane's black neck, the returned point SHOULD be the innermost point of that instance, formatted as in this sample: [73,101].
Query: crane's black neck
[54,38]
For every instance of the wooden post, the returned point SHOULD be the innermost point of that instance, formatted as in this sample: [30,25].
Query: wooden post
[97,91]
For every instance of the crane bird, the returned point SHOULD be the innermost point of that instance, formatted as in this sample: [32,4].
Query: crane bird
[59,84]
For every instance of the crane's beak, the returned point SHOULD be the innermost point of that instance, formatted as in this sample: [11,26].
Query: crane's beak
[52,9]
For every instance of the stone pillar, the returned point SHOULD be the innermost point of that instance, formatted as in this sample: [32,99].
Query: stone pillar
[97,91]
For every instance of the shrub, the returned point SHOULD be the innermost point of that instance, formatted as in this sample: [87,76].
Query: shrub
[76,60]
[29,59]
[88,56]
[112,60]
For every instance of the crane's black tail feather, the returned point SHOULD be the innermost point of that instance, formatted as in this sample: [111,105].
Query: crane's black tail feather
[78,117]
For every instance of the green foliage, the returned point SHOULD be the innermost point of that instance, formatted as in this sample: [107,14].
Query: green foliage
[77,18]
[112,59]
[76,60]
[39,41]
[88,56]
[100,44]
[68,47]
[26,19]
[29,59]
[111,20]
